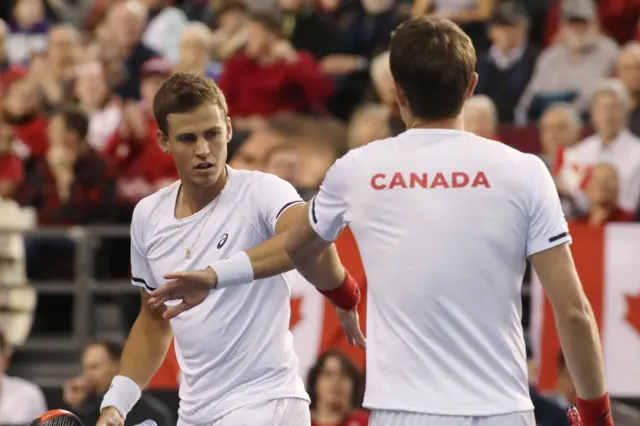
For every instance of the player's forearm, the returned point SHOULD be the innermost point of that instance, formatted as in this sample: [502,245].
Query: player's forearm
[270,258]
[146,348]
[323,270]
[582,350]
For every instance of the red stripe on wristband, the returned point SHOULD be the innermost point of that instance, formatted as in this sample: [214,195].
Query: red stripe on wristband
[595,412]
[347,296]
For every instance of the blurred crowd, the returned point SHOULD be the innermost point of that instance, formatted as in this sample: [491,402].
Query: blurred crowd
[305,81]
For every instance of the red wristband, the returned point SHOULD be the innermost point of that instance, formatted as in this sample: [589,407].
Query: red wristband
[595,412]
[347,296]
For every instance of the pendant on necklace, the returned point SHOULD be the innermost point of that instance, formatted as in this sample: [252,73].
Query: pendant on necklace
[188,254]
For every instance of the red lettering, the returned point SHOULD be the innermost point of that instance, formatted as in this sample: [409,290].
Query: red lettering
[418,180]
[439,180]
[459,180]
[480,179]
[397,180]
[375,178]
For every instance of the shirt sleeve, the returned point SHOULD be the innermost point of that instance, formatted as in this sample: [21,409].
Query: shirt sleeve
[274,198]
[547,225]
[329,206]
[141,275]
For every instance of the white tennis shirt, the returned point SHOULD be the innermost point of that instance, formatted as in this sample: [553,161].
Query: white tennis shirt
[444,221]
[235,348]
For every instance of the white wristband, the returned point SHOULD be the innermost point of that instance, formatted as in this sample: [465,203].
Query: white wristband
[233,270]
[122,395]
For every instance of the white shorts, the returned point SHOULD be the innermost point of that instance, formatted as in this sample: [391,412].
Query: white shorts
[404,418]
[276,412]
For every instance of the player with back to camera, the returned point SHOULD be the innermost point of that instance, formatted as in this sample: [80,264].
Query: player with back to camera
[233,344]
[445,221]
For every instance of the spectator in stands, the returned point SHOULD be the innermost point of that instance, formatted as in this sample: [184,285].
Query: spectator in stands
[284,161]
[142,167]
[546,411]
[612,143]
[53,71]
[21,109]
[231,33]
[20,401]
[195,51]
[369,123]
[164,28]
[629,75]
[72,184]
[270,76]
[568,70]
[481,117]
[4,58]
[385,91]
[11,166]
[308,28]
[559,128]
[83,394]
[252,153]
[28,30]
[602,192]
[91,90]
[335,388]
[505,70]
[125,23]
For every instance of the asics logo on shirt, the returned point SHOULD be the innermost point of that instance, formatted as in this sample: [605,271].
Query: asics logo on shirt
[223,240]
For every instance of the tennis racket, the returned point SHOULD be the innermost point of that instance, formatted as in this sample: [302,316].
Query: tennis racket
[57,418]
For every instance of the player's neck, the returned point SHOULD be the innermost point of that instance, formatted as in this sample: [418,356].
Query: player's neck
[192,199]
[454,123]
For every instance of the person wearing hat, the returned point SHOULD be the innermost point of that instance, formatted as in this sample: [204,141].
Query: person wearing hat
[569,69]
[505,70]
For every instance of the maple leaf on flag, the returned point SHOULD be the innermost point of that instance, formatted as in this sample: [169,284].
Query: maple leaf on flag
[296,315]
[633,311]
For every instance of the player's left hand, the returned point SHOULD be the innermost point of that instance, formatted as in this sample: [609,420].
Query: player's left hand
[192,287]
[350,321]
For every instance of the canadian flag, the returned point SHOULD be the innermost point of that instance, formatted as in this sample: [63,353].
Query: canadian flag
[314,324]
[608,262]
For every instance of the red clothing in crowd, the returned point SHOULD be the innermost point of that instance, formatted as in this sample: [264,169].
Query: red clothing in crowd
[11,173]
[356,418]
[33,133]
[264,90]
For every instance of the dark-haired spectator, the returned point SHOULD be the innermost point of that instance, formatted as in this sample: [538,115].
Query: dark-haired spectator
[602,192]
[505,70]
[481,117]
[71,184]
[21,109]
[28,30]
[612,143]
[231,33]
[83,394]
[20,401]
[11,166]
[270,76]
[335,388]
[162,33]
[567,70]
[308,28]
[125,24]
[141,166]
[195,51]
[284,161]
[629,75]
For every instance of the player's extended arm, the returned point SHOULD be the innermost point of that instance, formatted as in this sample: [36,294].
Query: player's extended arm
[144,351]
[577,330]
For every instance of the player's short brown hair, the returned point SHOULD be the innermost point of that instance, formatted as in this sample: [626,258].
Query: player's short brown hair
[184,92]
[433,61]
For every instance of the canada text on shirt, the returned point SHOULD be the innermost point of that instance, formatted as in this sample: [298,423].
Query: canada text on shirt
[381,181]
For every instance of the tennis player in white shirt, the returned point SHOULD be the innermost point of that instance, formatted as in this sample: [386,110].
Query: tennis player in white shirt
[233,344]
[445,222]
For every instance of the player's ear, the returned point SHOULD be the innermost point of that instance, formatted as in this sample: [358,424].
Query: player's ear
[163,141]
[472,85]
[229,129]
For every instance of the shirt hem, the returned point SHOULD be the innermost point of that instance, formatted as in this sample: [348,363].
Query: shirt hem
[458,411]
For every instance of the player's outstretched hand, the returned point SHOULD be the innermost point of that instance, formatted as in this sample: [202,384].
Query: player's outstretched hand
[350,321]
[192,287]
[110,417]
